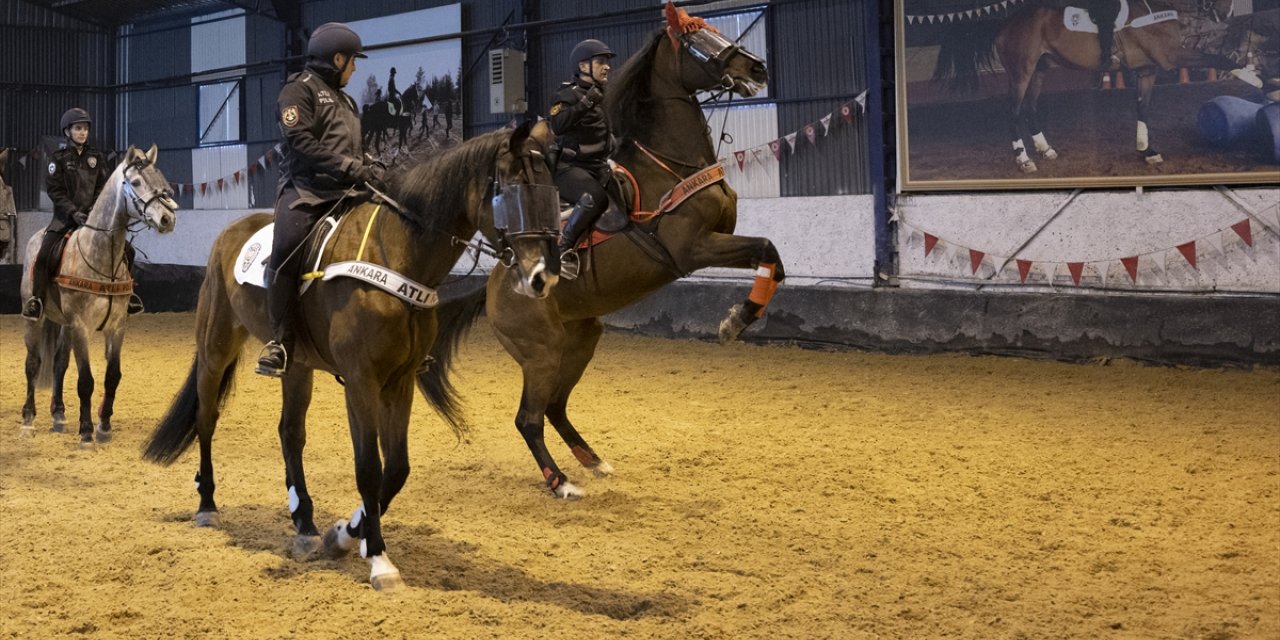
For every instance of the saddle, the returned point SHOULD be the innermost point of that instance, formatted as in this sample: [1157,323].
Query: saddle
[621,189]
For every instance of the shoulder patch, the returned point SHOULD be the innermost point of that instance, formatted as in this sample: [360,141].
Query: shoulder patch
[53,167]
[555,108]
[93,162]
[289,116]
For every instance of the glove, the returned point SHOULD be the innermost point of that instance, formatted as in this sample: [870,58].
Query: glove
[373,174]
[80,217]
[593,97]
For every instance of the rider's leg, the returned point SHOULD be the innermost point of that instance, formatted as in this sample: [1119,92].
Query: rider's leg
[585,188]
[34,306]
[130,256]
[292,225]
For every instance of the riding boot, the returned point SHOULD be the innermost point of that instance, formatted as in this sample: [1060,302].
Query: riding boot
[33,308]
[282,307]
[580,221]
[135,302]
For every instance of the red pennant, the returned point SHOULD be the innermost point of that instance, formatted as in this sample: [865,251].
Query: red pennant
[846,112]
[204,187]
[236,177]
[811,132]
[219,184]
[1024,268]
[1188,250]
[253,168]
[776,147]
[1131,265]
[35,153]
[1076,268]
[930,241]
[267,156]
[975,259]
[1244,231]
[739,156]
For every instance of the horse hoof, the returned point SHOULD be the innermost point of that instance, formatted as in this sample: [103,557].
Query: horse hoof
[28,420]
[103,437]
[1028,167]
[569,491]
[733,325]
[1154,159]
[306,547]
[1049,154]
[58,427]
[336,542]
[208,519]
[87,445]
[26,432]
[387,582]
[602,469]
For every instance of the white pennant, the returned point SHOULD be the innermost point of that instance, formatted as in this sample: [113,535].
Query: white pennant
[862,100]
[791,141]
[755,153]
[826,124]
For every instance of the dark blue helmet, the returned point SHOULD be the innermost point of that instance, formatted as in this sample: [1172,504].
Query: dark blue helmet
[588,49]
[74,115]
[334,37]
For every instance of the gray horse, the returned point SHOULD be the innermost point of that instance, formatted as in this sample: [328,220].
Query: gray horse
[92,293]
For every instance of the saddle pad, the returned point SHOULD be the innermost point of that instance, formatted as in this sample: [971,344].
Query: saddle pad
[251,264]
[1077,18]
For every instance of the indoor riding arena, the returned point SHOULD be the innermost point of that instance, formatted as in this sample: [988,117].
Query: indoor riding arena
[835,362]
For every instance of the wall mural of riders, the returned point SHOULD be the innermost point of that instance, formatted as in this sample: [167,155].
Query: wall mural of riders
[410,97]
[1019,94]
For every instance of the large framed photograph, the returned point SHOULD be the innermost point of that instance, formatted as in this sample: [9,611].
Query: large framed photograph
[1013,94]
[409,96]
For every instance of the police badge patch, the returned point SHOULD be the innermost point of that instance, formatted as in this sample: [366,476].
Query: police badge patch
[93,162]
[555,108]
[289,116]
[53,166]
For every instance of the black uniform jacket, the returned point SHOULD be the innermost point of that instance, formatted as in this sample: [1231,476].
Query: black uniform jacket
[321,130]
[581,126]
[74,182]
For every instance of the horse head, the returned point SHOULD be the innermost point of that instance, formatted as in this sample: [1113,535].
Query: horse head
[149,199]
[526,209]
[1216,10]
[714,60]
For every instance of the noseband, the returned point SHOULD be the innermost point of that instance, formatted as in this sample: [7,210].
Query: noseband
[140,206]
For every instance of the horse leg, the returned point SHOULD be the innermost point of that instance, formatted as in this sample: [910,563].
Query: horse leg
[33,337]
[1031,106]
[365,413]
[1019,81]
[581,338]
[296,391]
[84,383]
[61,362]
[1146,82]
[742,252]
[114,341]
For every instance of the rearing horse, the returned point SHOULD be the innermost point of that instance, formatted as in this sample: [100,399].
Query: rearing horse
[93,286]
[1036,36]
[375,340]
[651,103]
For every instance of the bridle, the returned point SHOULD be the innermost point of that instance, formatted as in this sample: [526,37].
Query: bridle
[713,52]
[139,206]
[522,209]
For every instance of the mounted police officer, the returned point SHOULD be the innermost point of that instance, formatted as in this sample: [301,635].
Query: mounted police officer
[324,163]
[77,174]
[585,142]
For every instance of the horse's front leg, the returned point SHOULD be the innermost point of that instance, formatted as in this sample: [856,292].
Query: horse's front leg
[33,335]
[296,391]
[114,342]
[1031,108]
[581,338]
[1146,82]
[84,383]
[743,252]
[61,362]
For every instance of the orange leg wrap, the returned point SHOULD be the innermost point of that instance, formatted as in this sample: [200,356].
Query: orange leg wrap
[764,287]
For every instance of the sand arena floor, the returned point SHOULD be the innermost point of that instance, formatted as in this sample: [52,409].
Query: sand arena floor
[760,492]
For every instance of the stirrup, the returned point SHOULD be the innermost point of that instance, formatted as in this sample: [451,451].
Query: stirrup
[33,309]
[273,360]
[135,304]
[569,265]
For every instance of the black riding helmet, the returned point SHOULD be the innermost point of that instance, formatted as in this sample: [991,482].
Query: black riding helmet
[74,115]
[334,37]
[588,49]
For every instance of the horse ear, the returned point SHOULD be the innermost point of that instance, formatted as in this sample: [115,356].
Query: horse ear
[673,16]
[151,153]
[4,158]
[520,134]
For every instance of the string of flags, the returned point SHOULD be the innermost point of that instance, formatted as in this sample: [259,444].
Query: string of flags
[1154,262]
[760,154]
[957,16]
[264,161]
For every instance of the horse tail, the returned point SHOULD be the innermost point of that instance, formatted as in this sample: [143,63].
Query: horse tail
[967,49]
[51,342]
[454,319]
[177,429]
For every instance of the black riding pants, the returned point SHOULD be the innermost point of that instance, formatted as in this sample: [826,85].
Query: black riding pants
[293,222]
[573,181]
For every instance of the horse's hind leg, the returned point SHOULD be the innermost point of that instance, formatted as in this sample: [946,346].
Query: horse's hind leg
[61,362]
[114,341]
[296,386]
[84,382]
[33,373]
[581,338]
[1031,109]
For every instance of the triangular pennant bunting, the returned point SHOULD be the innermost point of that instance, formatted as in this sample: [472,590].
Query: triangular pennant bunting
[930,241]
[740,156]
[811,132]
[1188,251]
[1131,266]
[776,147]
[975,260]
[1024,268]
[846,112]
[1076,268]
[791,141]
[1243,230]
[826,124]
[862,101]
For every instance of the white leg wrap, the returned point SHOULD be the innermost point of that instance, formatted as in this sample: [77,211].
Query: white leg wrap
[1040,142]
[293,499]
[1143,142]
[380,565]
[345,540]
[1020,151]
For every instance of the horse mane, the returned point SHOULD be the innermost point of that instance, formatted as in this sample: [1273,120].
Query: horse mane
[630,89]
[434,192]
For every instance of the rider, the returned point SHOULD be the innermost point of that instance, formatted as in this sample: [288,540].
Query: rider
[393,94]
[324,162]
[1103,13]
[77,174]
[585,142]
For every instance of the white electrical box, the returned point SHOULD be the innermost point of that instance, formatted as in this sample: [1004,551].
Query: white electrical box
[506,81]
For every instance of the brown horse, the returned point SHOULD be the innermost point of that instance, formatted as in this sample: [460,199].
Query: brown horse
[376,342]
[1036,36]
[665,140]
